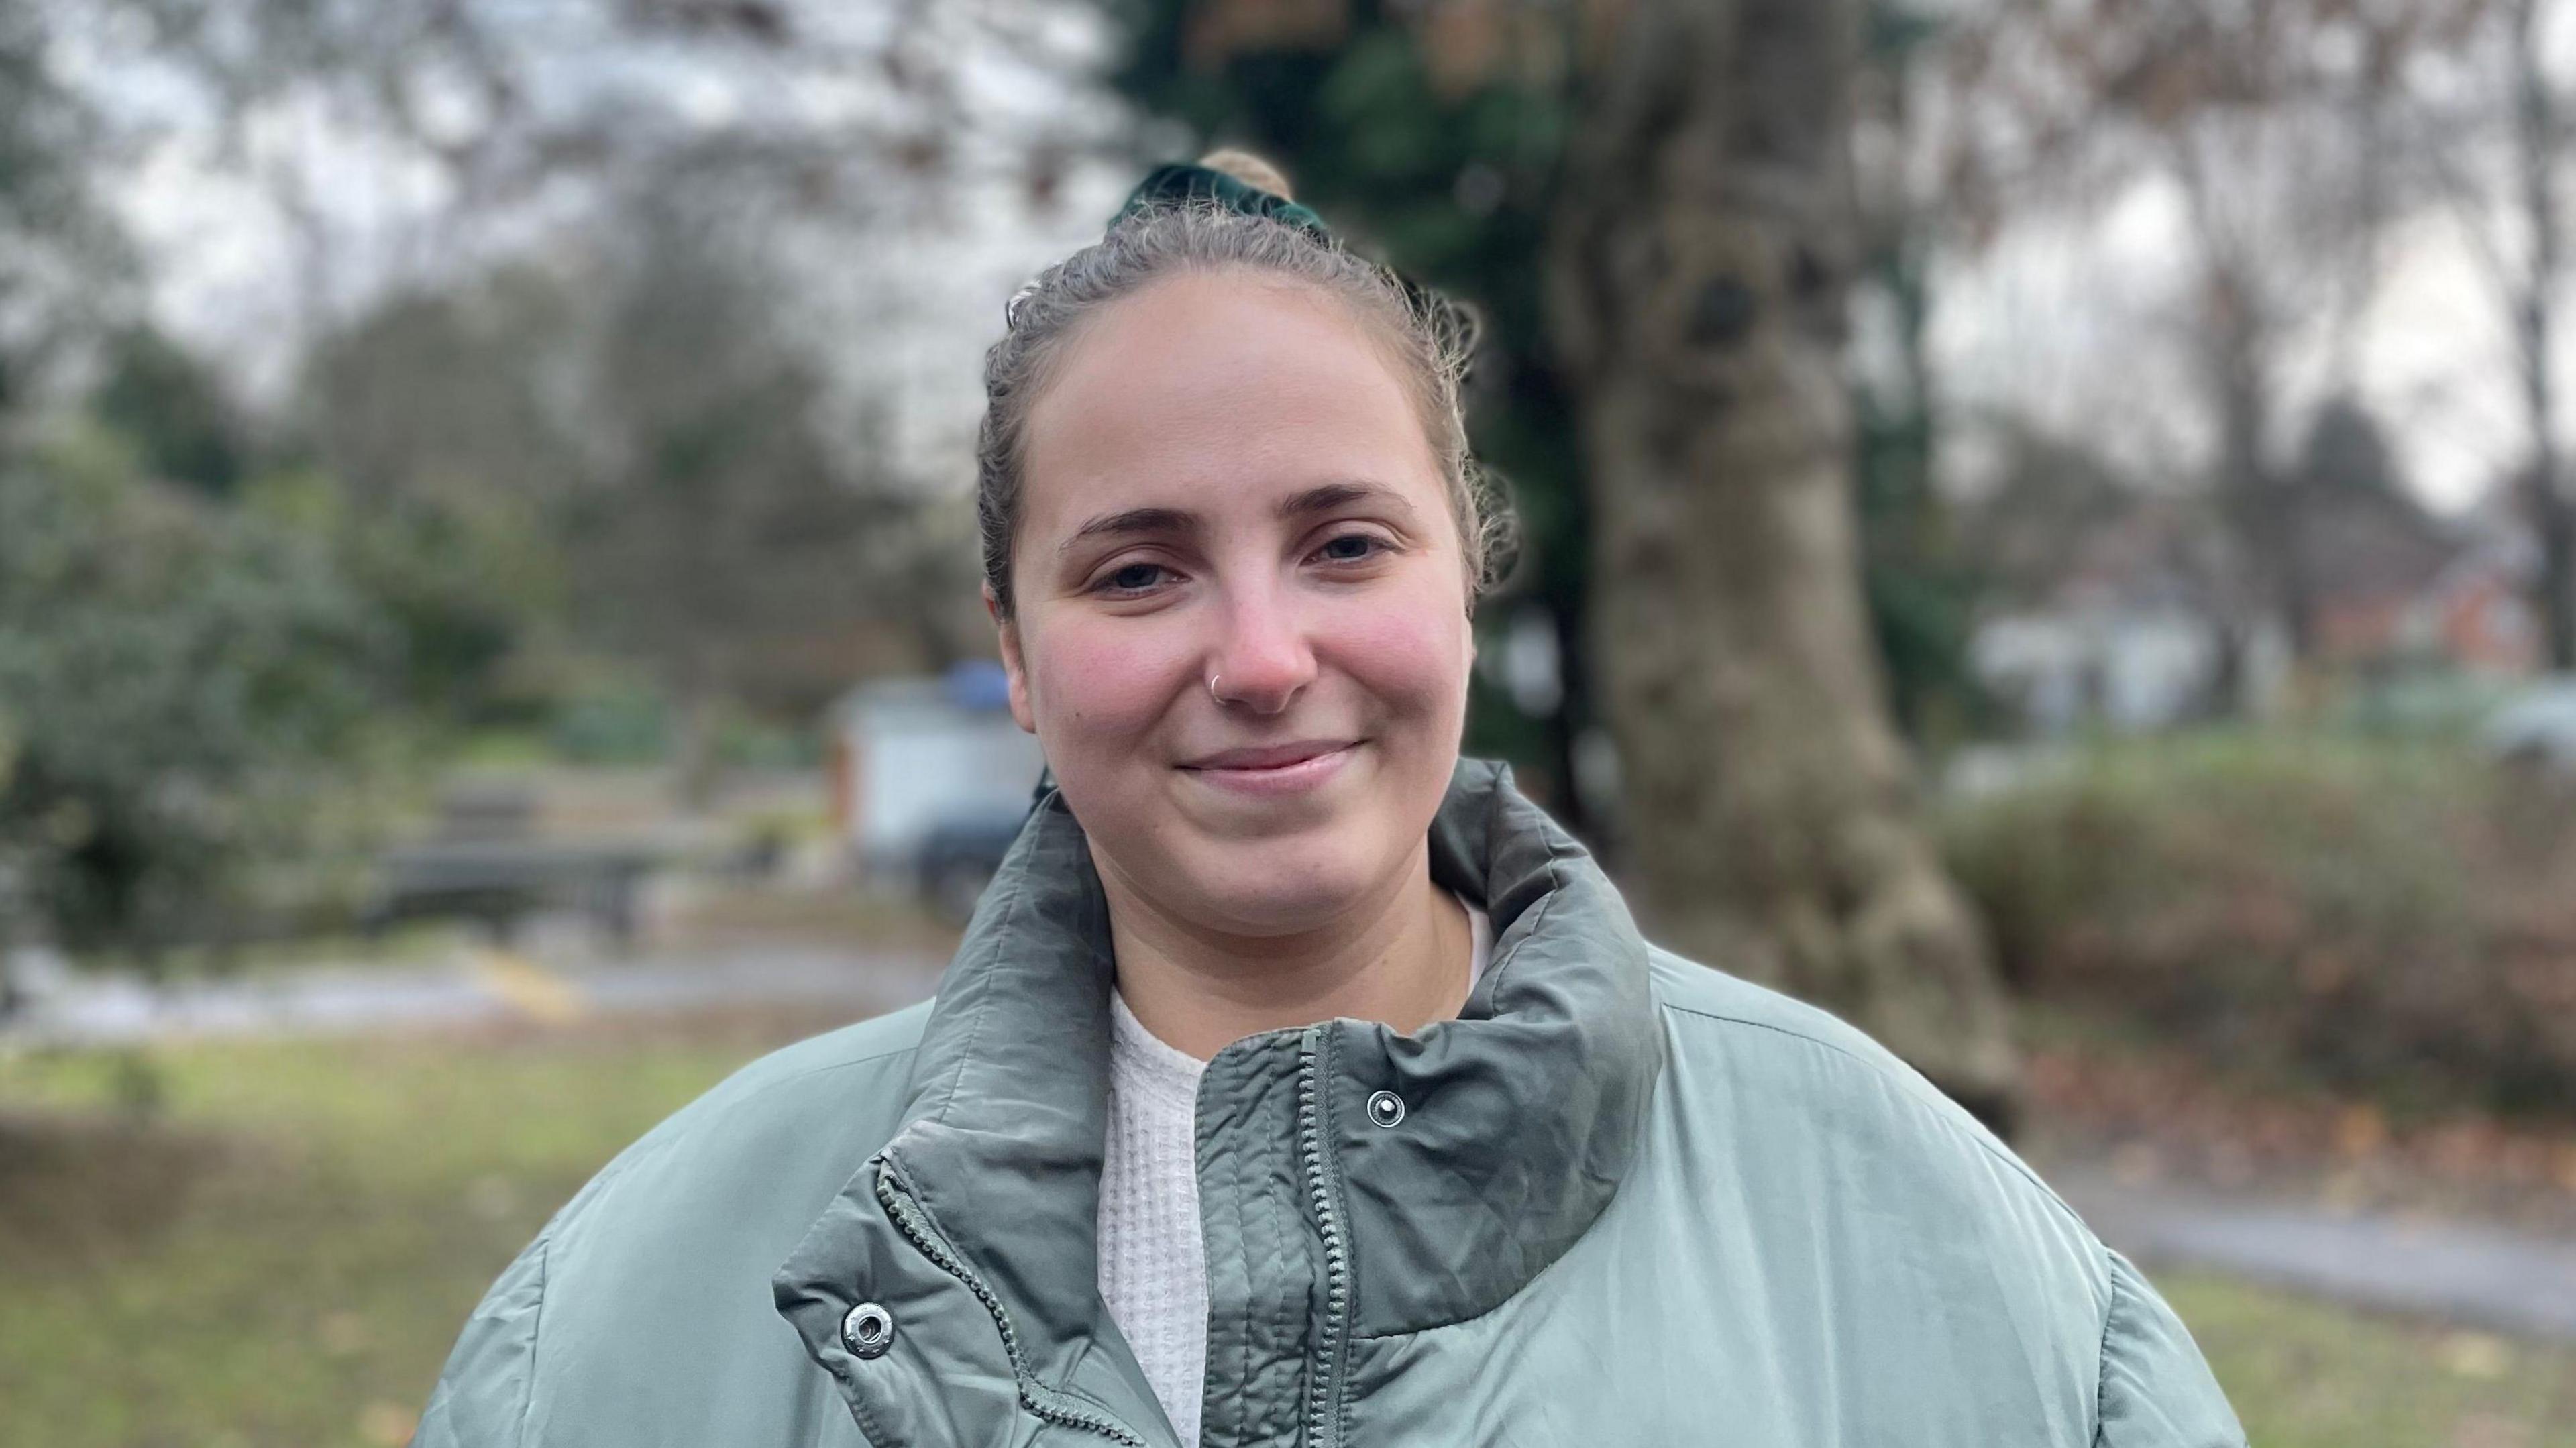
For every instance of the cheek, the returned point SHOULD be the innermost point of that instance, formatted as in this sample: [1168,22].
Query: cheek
[1094,678]
[1412,656]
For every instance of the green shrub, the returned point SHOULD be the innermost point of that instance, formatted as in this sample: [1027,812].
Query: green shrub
[612,724]
[187,688]
[2396,916]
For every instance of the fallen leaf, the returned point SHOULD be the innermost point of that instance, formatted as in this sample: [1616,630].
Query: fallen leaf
[2480,1355]
[387,1423]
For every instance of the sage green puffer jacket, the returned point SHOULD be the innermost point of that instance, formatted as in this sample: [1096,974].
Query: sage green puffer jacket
[1630,1201]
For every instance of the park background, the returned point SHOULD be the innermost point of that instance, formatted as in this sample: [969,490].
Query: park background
[2045,530]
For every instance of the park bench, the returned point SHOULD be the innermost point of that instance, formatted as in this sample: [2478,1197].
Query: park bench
[485,862]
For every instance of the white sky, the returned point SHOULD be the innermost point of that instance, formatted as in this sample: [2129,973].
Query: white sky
[2078,324]
[2075,326]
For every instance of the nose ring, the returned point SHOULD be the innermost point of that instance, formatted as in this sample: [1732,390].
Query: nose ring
[1212,688]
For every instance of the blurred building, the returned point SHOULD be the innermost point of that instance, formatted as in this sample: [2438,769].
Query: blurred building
[2393,585]
[914,758]
[2133,627]
[2115,621]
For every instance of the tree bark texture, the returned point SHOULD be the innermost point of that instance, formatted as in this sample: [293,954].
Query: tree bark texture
[2552,512]
[1698,292]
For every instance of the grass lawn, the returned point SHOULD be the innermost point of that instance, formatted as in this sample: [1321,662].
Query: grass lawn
[282,1259]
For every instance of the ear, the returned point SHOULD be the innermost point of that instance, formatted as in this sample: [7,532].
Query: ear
[1014,667]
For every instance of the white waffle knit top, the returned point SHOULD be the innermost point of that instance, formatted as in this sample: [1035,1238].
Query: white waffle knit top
[1153,1263]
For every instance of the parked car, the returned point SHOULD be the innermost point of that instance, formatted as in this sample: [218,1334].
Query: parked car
[959,853]
[2536,731]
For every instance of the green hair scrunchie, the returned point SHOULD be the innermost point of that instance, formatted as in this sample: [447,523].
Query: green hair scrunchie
[1183,181]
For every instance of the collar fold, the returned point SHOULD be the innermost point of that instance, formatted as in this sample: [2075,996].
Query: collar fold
[1521,1116]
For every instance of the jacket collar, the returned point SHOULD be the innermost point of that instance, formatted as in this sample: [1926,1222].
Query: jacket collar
[1522,1114]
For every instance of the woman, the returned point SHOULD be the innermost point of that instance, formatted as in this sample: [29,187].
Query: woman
[1298,1081]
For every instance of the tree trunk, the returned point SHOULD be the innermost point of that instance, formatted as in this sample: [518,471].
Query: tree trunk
[2553,514]
[2262,505]
[696,766]
[1699,289]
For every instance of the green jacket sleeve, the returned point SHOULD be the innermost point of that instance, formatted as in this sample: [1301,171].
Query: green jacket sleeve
[2156,1390]
[481,1400]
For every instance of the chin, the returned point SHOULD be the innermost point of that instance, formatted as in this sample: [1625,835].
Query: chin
[1277,888]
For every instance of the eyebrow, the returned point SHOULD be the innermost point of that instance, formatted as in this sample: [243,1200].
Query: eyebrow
[1322,498]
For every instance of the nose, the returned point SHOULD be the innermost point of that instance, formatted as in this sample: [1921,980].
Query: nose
[1261,658]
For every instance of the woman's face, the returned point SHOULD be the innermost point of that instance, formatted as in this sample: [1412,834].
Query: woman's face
[1240,632]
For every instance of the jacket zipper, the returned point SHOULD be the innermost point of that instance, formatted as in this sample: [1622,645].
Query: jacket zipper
[1323,1188]
[913,1221]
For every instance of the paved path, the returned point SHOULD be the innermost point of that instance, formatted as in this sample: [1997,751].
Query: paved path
[474,986]
[2471,1274]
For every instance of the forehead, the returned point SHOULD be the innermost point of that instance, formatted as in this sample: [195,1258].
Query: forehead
[1219,387]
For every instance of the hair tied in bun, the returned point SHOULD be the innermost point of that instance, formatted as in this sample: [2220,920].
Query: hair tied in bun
[1236,180]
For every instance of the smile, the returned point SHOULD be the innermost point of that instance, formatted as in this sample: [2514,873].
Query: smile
[1286,770]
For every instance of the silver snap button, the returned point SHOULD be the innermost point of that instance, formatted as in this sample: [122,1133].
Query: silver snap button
[1386,1108]
[868,1330]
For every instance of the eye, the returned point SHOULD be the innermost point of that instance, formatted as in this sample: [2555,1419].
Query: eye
[1352,548]
[1130,578]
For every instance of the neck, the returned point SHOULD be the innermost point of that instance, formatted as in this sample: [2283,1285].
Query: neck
[1400,956]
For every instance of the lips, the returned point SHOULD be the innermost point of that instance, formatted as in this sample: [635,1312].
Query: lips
[1274,772]
[1270,756]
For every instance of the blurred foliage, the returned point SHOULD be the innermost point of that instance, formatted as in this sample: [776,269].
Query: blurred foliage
[2376,915]
[161,398]
[188,674]
[637,469]
[2347,446]
[438,457]
[179,679]
[612,723]
[464,579]
[2421,704]
[718,512]
[726,537]
[63,263]
[1921,585]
